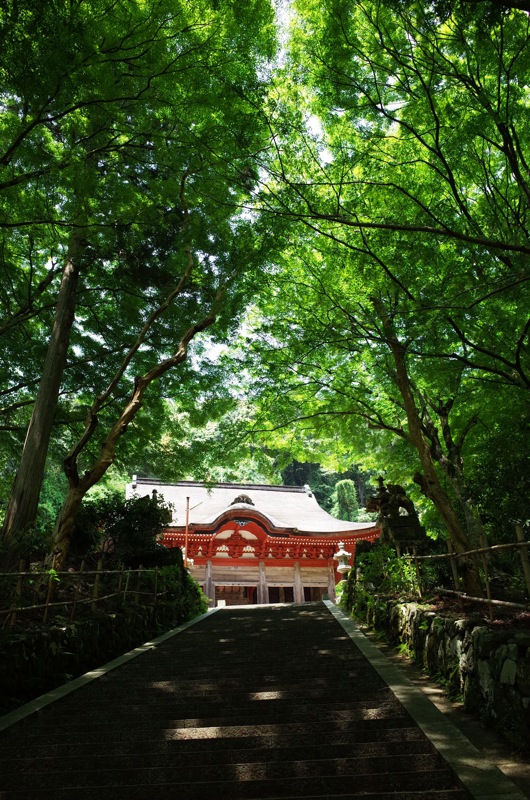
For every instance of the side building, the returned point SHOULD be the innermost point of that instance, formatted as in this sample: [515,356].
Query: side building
[249,543]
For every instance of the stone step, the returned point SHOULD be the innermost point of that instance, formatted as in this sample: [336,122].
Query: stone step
[254,680]
[100,758]
[163,769]
[236,781]
[170,793]
[64,746]
[115,731]
[174,713]
[296,687]
[254,720]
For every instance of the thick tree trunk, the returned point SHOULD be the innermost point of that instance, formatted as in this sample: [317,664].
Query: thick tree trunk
[23,504]
[65,524]
[429,481]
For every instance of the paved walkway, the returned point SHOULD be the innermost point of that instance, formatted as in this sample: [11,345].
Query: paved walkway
[251,702]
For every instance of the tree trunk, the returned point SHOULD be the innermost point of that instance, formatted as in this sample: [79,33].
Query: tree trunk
[451,463]
[23,504]
[65,524]
[79,486]
[429,481]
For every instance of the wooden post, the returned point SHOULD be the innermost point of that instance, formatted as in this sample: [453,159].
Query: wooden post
[454,568]
[331,580]
[156,586]
[417,565]
[484,543]
[263,588]
[126,585]
[51,579]
[524,556]
[138,582]
[209,589]
[120,580]
[186,533]
[18,592]
[95,592]
[76,591]
[298,586]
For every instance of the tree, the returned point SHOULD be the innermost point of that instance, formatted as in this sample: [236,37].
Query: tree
[123,531]
[403,295]
[346,505]
[119,118]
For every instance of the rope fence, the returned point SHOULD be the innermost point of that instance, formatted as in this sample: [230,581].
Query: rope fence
[483,556]
[76,588]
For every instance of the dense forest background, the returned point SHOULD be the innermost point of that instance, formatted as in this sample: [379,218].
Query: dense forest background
[258,242]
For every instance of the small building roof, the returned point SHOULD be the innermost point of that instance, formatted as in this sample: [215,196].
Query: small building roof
[292,508]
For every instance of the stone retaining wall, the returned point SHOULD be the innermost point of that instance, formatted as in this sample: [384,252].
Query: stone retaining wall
[489,669]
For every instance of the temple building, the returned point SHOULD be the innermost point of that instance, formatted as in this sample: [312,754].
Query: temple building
[249,543]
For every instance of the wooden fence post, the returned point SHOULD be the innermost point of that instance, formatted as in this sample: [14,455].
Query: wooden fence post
[484,543]
[417,565]
[126,589]
[120,580]
[156,586]
[95,592]
[18,592]
[138,582]
[523,552]
[77,589]
[51,579]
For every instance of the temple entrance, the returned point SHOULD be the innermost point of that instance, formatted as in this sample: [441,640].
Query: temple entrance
[232,595]
[314,593]
[281,594]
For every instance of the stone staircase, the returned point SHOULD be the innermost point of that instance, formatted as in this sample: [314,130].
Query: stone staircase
[255,702]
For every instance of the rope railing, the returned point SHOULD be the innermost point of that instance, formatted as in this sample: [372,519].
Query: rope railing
[488,549]
[85,587]
[482,552]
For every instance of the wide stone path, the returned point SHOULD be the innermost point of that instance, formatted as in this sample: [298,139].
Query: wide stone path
[249,702]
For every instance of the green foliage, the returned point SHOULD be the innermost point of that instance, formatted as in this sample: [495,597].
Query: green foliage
[400,161]
[32,545]
[123,531]
[377,572]
[387,572]
[127,147]
[345,505]
[323,481]
[388,213]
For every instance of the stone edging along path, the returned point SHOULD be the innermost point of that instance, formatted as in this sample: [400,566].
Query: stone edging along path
[482,779]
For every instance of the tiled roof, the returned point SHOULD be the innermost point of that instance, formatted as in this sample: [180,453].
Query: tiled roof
[293,508]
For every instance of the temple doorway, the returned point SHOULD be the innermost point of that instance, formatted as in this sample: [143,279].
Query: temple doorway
[281,594]
[313,593]
[232,595]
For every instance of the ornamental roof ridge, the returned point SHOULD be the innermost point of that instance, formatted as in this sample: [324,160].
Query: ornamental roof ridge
[222,485]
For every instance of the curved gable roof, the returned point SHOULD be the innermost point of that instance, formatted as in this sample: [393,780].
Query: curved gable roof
[291,508]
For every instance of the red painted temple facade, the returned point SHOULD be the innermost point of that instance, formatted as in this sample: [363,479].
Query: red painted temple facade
[249,543]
